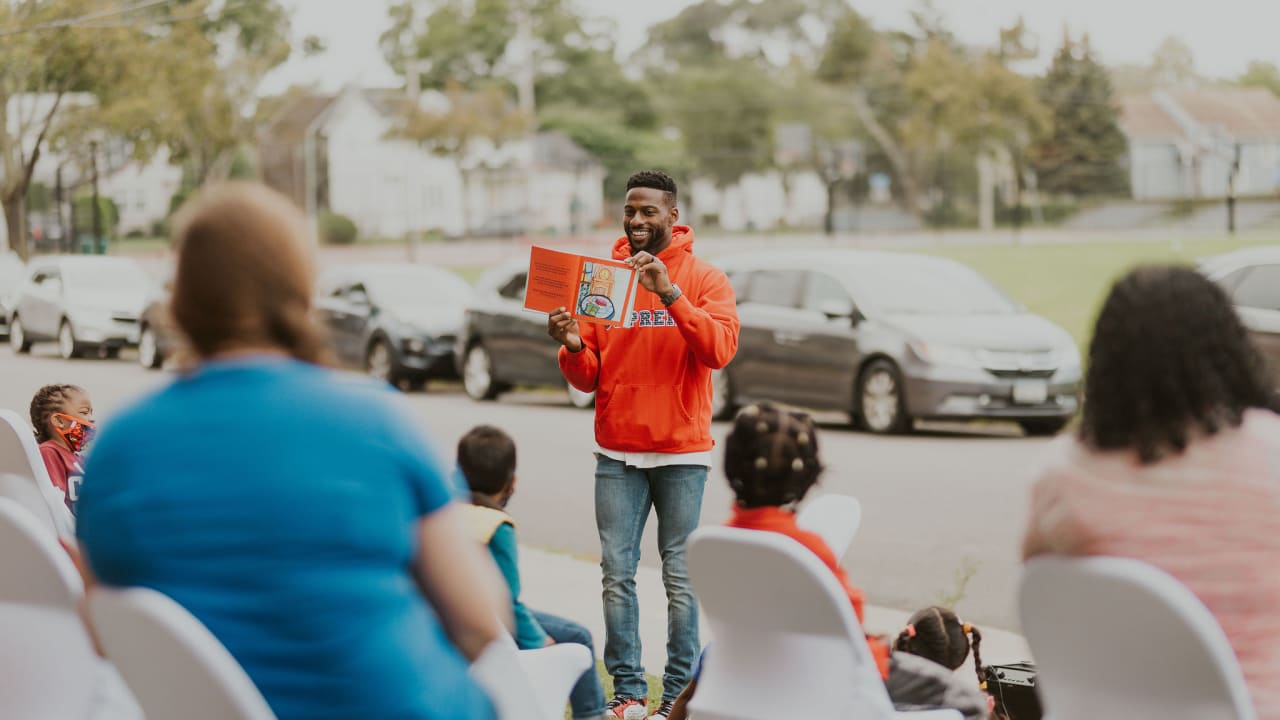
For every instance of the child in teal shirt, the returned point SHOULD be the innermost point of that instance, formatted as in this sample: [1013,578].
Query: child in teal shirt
[487,460]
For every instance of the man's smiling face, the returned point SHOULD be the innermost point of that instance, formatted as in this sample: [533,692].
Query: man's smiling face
[647,218]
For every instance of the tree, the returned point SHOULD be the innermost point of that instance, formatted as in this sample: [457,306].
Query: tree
[725,119]
[1173,65]
[1262,75]
[1083,152]
[862,62]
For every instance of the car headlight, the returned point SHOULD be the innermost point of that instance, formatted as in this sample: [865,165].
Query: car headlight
[946,355]
[1069,356]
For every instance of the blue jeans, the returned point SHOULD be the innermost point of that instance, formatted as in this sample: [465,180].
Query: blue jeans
[587,697]
[623,497]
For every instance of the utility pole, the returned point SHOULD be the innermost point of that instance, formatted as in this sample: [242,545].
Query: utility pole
[1231,190]
[97,209]
[64,242]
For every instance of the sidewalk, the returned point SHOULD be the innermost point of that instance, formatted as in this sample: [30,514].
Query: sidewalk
[570,587]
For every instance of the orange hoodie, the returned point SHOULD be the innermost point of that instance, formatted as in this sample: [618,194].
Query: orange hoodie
[653,380]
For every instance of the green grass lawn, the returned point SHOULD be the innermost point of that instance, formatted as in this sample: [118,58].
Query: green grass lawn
[1068,282]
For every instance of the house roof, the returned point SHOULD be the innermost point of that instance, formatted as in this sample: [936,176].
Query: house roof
[553,149]
[1243,113]
[291,122]
[1143,118]
[1240,113]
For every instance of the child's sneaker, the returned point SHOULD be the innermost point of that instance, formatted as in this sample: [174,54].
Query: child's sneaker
[663,711]
[626,708]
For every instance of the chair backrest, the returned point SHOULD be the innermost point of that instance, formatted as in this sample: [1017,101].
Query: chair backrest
[46,657]
[530,684]
[175,667]
[20,456]
[1114,637]
[835,517]
[787,643]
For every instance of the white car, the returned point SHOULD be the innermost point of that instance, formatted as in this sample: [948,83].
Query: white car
[85,303]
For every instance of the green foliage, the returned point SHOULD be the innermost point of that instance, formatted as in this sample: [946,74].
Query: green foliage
[725,119]
[1262,75]
[336,228]
[1083,152]
[39,197]
[82,214]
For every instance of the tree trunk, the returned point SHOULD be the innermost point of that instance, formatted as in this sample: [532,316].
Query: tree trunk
[910,193]
[15,218]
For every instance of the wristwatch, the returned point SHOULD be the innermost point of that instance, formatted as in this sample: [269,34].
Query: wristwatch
[672,296]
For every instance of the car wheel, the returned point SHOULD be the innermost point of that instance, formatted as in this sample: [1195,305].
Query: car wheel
[68,348]
[723,403]
[18,336]
[148,351]
[1042,427]
[580,399]
[477,374]
[881,403]
[379,363]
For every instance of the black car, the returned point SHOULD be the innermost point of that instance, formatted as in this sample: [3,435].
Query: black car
[891,337]
[502,345]
[397,322]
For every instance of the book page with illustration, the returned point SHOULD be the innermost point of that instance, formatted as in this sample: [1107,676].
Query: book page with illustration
[592,289]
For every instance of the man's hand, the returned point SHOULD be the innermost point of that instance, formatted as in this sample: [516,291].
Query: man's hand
[564,329]
[653,273]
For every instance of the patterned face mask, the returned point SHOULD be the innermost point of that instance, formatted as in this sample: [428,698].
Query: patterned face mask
[77,433]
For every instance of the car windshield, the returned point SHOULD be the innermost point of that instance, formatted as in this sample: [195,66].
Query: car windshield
[417,290]
[929,288]
[105,276]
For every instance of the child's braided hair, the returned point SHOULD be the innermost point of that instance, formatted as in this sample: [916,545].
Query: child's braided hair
[936,633]
[49,400]
[771,456]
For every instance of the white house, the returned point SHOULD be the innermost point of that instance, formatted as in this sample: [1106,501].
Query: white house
[1182,144]
[141,191]
[339,153]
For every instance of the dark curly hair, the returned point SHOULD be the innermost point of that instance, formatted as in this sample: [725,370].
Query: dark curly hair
[936,633]
[655,180]
[1169,359]
[771,456]
[47,401]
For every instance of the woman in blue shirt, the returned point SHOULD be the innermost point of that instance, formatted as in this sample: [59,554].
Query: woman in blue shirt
[295,511]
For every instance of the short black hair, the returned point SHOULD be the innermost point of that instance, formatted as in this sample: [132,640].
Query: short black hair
[655,180]
[49,400]
[1169,359]
[771,456]
[487,458]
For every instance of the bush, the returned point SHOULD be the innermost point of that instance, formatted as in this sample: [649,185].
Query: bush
[336,229]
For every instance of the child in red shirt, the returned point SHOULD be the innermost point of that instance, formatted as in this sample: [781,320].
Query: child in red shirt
[771,460]
[62,416]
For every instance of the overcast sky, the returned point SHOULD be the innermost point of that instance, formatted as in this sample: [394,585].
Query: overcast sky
[1224,34]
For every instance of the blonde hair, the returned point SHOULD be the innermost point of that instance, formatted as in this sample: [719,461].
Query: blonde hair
[245,273]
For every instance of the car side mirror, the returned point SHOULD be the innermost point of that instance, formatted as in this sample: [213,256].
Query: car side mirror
[840,310]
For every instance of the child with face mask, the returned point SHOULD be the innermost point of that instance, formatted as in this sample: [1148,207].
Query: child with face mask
[62,416]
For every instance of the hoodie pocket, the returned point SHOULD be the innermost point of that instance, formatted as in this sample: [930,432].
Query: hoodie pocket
[639,418]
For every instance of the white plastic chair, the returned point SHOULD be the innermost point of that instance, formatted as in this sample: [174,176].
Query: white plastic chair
[1118,638]
[787,644]
[835,517]
[46,657]
[174,665]
[20,456]
[530,684]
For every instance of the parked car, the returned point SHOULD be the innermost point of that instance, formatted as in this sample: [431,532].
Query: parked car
[12,272]
[892,337]
[86,303]
[1251,277]
[158,335]
[397,322]
[502,345]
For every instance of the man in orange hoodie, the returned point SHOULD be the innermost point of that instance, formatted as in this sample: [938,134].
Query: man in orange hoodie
[653,427]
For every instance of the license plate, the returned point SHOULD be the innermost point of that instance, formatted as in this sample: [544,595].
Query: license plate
[1030,392]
